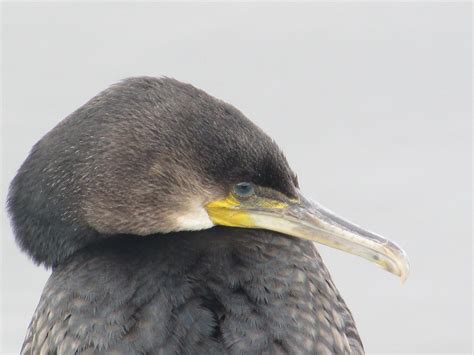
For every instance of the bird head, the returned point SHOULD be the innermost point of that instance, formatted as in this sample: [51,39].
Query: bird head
[151,156]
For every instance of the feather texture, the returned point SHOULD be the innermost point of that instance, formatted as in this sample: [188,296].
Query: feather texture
[224,290]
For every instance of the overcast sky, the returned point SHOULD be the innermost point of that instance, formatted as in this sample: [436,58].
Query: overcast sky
[371,103]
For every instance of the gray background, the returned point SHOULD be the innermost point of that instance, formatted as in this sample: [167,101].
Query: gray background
[371,103]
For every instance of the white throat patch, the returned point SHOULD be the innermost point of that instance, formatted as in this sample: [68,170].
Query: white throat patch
[196,218]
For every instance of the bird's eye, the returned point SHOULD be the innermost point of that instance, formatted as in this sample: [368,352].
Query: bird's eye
[244,189]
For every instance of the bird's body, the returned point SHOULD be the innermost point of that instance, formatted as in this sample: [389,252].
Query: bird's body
[175,225]
[221,291]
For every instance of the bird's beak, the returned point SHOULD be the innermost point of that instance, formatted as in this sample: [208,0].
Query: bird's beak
[308,220]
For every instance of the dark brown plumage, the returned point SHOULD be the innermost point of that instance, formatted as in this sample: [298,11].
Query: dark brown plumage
[219,291]
[101,200]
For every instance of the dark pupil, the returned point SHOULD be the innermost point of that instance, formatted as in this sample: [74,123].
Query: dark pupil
[244,189]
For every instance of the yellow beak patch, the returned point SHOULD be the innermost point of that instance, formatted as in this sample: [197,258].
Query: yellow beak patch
[232,212]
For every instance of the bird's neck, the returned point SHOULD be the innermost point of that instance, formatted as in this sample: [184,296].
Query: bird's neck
[272,287]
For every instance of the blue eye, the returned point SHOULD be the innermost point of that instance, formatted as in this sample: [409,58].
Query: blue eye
[244,189]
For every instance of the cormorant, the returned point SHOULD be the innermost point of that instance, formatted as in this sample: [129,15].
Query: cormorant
[174,225]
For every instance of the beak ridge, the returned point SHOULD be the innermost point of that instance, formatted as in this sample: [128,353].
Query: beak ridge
[309,220]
